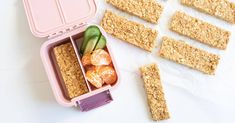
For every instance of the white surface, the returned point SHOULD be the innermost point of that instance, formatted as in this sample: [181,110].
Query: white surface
[192,97]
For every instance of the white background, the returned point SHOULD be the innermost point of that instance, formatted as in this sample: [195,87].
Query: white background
[192,97]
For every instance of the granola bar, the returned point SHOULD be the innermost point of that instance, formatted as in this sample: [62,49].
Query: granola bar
[131,32]
[155,95]
[185,54]
[222,9]
[199,30]
[70,70]
[148,10]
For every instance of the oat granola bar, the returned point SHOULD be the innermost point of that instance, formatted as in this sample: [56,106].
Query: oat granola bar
[148,10]
[185,54]
[70,70]
[199,30]
[222,9]
[154,91]
[131,32]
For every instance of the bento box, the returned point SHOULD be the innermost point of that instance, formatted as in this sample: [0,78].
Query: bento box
[64,23]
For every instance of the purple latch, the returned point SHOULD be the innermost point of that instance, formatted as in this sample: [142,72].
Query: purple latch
[95,101]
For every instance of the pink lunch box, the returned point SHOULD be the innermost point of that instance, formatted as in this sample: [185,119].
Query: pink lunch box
[63,21]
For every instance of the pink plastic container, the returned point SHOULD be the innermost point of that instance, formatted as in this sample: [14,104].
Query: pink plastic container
[64,21]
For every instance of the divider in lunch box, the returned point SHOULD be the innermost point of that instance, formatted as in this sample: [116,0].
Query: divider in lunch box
[76,49]
[77,42]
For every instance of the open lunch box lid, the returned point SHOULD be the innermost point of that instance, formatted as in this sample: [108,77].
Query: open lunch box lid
[53,17]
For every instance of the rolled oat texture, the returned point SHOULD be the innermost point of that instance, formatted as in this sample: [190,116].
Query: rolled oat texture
[199,30]
[148,10]
[154,91]
[70,70]
[222,9]
[182,53]
[131,32]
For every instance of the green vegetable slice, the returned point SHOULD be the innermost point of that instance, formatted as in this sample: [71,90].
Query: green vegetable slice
[91,43]
[90,32]
[101,43]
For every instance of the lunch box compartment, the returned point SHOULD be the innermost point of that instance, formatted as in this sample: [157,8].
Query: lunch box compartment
[77,39]
[57,69]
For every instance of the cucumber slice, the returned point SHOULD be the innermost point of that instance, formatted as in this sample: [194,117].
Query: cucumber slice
[91,43]
[101,43]
[90,31]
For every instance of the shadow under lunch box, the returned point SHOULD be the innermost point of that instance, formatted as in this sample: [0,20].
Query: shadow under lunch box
[64,21]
